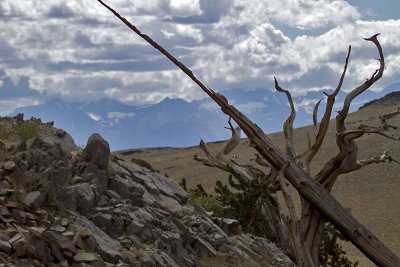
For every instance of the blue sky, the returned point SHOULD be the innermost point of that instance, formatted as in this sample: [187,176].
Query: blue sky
[78,51]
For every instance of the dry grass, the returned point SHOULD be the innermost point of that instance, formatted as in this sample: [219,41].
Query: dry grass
[371,193]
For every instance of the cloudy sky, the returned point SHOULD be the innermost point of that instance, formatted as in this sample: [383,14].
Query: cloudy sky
[77,50]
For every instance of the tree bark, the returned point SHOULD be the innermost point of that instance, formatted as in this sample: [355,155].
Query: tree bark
[310,189]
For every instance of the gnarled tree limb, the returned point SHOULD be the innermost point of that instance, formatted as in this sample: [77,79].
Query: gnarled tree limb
[307,187]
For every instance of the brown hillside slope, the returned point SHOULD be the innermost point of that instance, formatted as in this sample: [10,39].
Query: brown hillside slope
[371,193]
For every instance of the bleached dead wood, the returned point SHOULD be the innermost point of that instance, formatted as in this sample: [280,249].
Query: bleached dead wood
[311,190]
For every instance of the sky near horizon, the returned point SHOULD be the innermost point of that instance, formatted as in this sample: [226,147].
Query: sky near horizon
[78,51]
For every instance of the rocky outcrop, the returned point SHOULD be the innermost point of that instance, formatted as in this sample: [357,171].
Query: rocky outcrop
[389,99]
[63,206]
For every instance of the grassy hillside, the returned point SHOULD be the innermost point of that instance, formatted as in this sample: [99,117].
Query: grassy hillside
[371,193]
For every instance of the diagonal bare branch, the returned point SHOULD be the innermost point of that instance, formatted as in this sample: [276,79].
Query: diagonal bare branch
[377,159]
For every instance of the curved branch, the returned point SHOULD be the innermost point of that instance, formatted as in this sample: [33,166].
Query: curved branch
[340,127]
[324,125]
[315,121]
[232,143]
[288,125]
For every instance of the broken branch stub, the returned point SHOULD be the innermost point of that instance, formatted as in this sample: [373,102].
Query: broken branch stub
[310,189]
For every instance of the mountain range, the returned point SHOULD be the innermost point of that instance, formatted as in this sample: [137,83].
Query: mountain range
[176,122]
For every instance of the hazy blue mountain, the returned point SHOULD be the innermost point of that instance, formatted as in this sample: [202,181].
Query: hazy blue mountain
[177,123]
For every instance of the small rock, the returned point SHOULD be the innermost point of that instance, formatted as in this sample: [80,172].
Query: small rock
[15,238]
[64,222]
[117,210]
[85,234]
[30,216]
[4,211]
[113,194]
[68,234]
[85,257]
[9,165]
[18,214]
[58,228]
[32,199]
[102,220]
[62,242]
[5,246]
[20,248]
[13,205]
[77,241]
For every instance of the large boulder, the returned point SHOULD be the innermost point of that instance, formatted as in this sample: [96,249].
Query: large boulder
[97,151]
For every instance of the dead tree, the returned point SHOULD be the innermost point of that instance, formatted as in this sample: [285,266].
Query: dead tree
[277,223]
[308,227]
[314,191]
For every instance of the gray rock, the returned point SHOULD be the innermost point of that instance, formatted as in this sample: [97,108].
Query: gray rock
[57,178]
[97,151]
[229,226]
[113,194]
[117,169]
[34,143]
[263,249]
[121,185]
[109,249]
[20,248]
[5,246]
[103,221]
[33,198]
[79,197]
[154,182]
[63,243]
[203,248]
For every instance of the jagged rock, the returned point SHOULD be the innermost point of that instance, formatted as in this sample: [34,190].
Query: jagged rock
[19,117]
[102,220]
[154,182]
[108,248]
[143,163]
[79,197]
[263,249]
[133,211]
[97,151]
[62,242]
[228,225]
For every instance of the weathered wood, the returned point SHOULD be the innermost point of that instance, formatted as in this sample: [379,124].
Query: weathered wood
[310,189]
[314,192]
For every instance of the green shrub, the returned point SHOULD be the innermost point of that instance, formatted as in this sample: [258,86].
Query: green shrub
[200,197]
[330,252]
[242,204]
[6,132]
[27,129]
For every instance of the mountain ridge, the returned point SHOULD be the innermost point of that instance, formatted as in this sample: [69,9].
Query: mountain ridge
[176,122]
